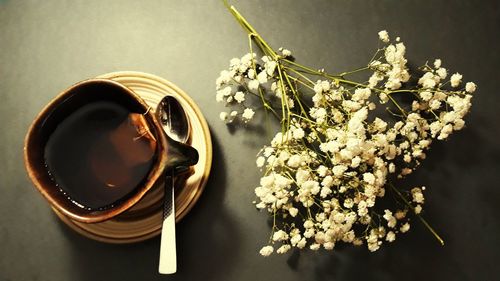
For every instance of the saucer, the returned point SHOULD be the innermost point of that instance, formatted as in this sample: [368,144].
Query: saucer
[144,219]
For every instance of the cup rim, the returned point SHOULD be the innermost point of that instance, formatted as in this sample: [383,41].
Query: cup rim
[98,215]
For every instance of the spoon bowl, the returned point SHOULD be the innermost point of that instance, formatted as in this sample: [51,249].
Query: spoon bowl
[173,119]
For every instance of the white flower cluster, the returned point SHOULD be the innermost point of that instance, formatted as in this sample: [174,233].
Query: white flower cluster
[327,168]
[248,76]
[392,67]
[337,185]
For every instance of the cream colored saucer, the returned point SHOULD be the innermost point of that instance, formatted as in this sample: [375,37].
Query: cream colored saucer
[144,220]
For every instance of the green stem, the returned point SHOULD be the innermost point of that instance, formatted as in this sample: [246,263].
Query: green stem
[312,71]
[397,105]
[353,71]
[284,102]
[435,115]
[427,225]
[264,46]
[374,55]
[394,114]
[297,80]
[295,94]
[404,91]
[303,118]
[441,241]
[301,75]
[251,31]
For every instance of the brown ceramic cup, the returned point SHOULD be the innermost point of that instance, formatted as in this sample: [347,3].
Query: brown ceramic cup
[168,153]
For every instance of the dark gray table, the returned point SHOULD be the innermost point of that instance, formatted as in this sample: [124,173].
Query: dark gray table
[48,45]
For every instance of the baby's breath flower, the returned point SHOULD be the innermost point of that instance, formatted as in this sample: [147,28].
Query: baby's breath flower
[280,235]
[223,116]
[405,227]
[369,178]
[361,94]
[445,132]
[286,53]
[262,77]
[338,170]
[383,36]
[260,161]
[426,95]
[390,237]
[283,249]
[418,209]
[374,80]
[315,246]
[456,79]
[391,220]
[239,97]
[442,73]
[294,161]
[383,98]
[298,133]
[428,80]
[437,63]
[435,104]
[392,168]
[266,251]
[248,114]
[253,84]
[470,87]
[329,245]
[302,243]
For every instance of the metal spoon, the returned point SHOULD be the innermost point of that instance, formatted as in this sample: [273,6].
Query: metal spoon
[176,125]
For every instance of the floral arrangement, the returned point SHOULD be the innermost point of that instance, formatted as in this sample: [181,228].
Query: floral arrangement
[327,172]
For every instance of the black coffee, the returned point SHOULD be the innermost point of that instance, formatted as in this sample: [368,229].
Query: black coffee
[99,154]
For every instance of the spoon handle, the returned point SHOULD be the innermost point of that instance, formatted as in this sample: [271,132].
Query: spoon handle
[168,251]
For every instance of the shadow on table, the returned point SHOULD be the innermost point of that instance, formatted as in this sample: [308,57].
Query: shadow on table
[207,240]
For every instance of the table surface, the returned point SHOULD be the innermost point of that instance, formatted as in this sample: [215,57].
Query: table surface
[48,45]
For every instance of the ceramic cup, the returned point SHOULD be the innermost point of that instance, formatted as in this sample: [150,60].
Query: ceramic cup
[168,153]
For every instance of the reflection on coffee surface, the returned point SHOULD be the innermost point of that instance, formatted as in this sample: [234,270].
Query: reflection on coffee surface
[100,154]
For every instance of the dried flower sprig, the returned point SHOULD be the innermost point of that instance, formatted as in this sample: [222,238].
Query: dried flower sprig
[325,173]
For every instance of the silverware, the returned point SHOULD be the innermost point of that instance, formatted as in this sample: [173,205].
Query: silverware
[176,125]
